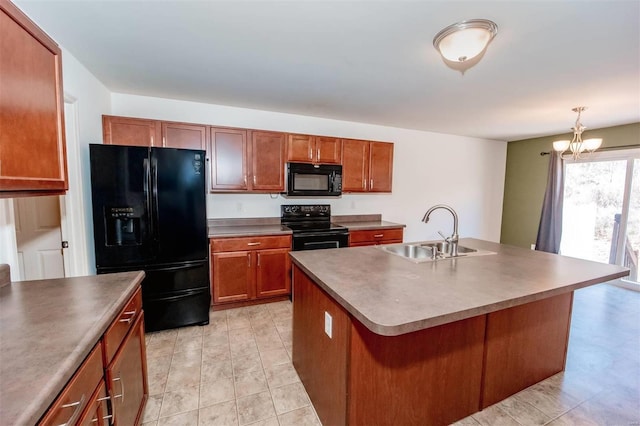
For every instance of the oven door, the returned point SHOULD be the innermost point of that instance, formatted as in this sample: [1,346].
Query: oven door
[319,240]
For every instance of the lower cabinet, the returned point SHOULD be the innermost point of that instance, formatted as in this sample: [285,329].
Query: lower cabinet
[248,269]
[88,399]
[127,378]
[374,237]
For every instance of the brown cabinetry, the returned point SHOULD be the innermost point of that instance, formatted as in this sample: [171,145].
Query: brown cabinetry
[183,135]
[244,160]
[245,269]
[367,166]
[372,237]
[87,399]
[32,140]
[130,131]
[314,149]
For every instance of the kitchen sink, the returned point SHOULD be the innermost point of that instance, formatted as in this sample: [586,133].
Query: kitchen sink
[424,251]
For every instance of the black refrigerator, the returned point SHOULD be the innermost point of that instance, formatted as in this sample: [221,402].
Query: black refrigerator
[149,213]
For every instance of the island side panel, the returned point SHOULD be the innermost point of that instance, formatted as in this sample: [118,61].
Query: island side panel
[428,377]
[525,345]
[321,362]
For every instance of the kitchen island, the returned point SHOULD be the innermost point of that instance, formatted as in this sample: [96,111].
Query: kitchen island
[431,342]
[50,328]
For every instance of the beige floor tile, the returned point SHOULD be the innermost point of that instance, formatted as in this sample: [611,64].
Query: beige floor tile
[216,353]
[274,357]
[467,421]
[246,364]
[494,416]
[152,408]
[240,335]
[215,370]
[289,397]
[300,417]
[254,408]
[271,421]
[158,373]
[154,423]
[215,392]
[192,331]
[548,398]
[236,322]
[241,349]
[181,375]
[523,412]
[223,414]
[180,401]
[269,344]
[183,419]
[164,335]
[280,375]
[160,348]
[188,343]
[215,338]
[250,383]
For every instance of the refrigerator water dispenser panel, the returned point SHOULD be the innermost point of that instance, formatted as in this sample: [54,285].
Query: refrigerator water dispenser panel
[122,226]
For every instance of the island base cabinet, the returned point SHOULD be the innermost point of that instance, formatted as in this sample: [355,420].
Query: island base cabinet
[527,341]
[127,379]
[428,377]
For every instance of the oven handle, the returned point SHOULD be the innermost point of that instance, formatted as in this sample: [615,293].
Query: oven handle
[321,234]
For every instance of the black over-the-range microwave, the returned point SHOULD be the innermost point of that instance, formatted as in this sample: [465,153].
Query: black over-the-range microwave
[314,180]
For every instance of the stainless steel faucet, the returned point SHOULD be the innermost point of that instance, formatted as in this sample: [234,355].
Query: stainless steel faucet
[453,239]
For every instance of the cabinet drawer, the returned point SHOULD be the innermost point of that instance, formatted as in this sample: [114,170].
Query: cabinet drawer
[374,236]
[121,325]
[77,394]
[250,243]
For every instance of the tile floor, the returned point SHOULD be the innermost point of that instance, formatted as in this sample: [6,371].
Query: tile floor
[237,371]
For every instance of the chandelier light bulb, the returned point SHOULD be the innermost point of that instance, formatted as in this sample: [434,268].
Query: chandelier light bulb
[577,146]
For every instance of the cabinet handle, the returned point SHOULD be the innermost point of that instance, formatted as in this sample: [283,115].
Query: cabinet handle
[378,236]
[119,379]
[76,412]
[253,244]
[128,320]
[249,259]
[110,416]
[164,141]
[310,154]
[254,180]
[258,264]
[318,154]
[370,184]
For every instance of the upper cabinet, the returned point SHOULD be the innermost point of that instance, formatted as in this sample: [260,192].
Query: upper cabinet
[267,161]
[228,156]
[130,131]
[144,132]
[32,140]
[182,135]
[366,166]
[313,149]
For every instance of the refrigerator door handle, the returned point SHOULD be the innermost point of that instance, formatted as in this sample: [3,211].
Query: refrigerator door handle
[147,194]
[176,268]
[154,200]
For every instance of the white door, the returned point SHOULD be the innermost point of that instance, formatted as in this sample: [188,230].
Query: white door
[38,237]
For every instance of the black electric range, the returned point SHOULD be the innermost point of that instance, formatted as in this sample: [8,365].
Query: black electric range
[312,227]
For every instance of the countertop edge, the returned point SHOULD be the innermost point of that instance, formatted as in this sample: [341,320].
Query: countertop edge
[399,329]
[48,394]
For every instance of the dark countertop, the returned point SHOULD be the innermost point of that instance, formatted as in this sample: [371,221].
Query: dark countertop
[391,295]
[370,225]
[48,327]
[247,230]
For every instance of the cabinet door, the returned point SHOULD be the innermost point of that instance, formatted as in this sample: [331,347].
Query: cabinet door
[300,148]
[273,275]
[232,276]
[32,141]
[130,131]
[228,159]
[328,150]
[355,165]
[267,165]
[97,412]
[127,377]
[187,136]
[380,167]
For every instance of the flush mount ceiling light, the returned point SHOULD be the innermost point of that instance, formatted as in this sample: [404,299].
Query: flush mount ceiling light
[463,41]
[577,145]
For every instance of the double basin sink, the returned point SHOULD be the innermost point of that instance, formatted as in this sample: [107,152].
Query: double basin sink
[431,251]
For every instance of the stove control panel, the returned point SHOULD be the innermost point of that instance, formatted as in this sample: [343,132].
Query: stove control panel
[305,210]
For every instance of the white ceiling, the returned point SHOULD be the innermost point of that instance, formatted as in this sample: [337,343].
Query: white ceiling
[366,61]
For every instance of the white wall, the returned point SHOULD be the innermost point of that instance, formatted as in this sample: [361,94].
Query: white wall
[429,168]
[91,99]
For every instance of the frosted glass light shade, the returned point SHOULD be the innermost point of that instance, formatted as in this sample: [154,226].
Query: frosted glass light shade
[561,146]
[592,144]
[465,40]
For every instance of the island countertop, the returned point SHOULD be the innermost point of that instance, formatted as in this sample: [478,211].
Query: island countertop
[48,327]
[391,295]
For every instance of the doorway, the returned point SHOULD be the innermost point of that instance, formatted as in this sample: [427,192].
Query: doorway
[601,213]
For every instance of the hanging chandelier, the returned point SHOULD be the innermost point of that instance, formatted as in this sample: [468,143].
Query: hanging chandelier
[577,146]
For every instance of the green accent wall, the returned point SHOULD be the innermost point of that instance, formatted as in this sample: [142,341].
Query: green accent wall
[526,178]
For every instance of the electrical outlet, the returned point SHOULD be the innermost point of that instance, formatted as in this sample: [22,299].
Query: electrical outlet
[328,324]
